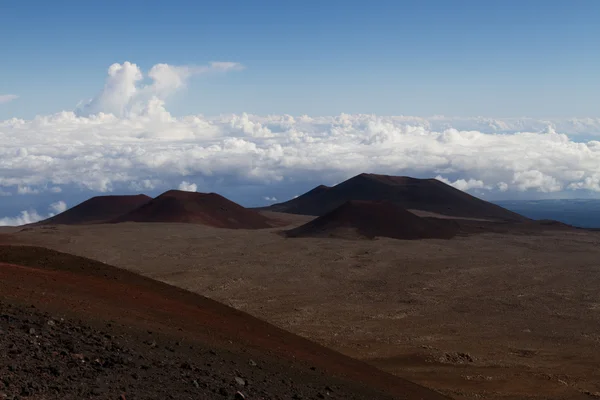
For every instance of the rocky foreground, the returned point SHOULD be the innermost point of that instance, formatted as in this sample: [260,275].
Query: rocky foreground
[44,356]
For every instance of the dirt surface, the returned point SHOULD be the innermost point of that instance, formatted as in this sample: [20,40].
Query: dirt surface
[98,210]
[370,219]
[410,193]
[114,332]
[505,315]
[199,208]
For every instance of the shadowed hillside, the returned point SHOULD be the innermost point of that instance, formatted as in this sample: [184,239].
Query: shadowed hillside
[371,219]
[97,210]
[409,193]
[197,208]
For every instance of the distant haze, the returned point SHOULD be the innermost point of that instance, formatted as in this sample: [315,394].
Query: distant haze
[580,213]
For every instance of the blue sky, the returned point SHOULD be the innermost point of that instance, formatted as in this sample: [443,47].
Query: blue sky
[493,58]
[498,98]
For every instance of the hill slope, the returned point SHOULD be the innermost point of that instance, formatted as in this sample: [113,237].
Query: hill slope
[98,209]
[114,332]
[197,208]
[370,219]
[409,193]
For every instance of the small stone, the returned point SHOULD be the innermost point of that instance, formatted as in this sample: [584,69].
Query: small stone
[32,331]
[239,396]
[96,391]
[240,381]
[122,397]
[51,323]
[252,363]
[195,382]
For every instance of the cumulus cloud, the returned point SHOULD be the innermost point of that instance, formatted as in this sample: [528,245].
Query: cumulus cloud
[32,216]
[125,95]
[188,187]
[58,207]
[7,98]
[271,199]
[27,190]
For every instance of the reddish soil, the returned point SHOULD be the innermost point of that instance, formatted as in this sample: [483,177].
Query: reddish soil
[101,295]
[197,208]
[372,219]
[409,193]
[98,209]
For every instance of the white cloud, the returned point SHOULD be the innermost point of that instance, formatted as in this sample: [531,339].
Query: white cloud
[145,184]
[188,187]
[32,216]
[27,190]
[124,95]
[7,98]
[58,207]
[25,217]
[534,179]
[271,199]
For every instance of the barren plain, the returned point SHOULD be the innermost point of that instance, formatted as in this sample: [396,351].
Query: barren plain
[490,316]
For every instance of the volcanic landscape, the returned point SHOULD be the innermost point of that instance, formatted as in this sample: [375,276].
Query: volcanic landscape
[346,292]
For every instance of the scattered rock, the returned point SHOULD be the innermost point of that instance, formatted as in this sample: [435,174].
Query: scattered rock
[252,363]
[32,331]
[456,358]
[51,323]
[239,396]
[240,381]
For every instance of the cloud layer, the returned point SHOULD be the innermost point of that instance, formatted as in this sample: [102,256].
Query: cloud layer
[125,140]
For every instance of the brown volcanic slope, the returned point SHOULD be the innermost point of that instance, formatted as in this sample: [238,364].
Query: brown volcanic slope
[70,359]
[98,210]
[197,208]
[409,193]
[370,219]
